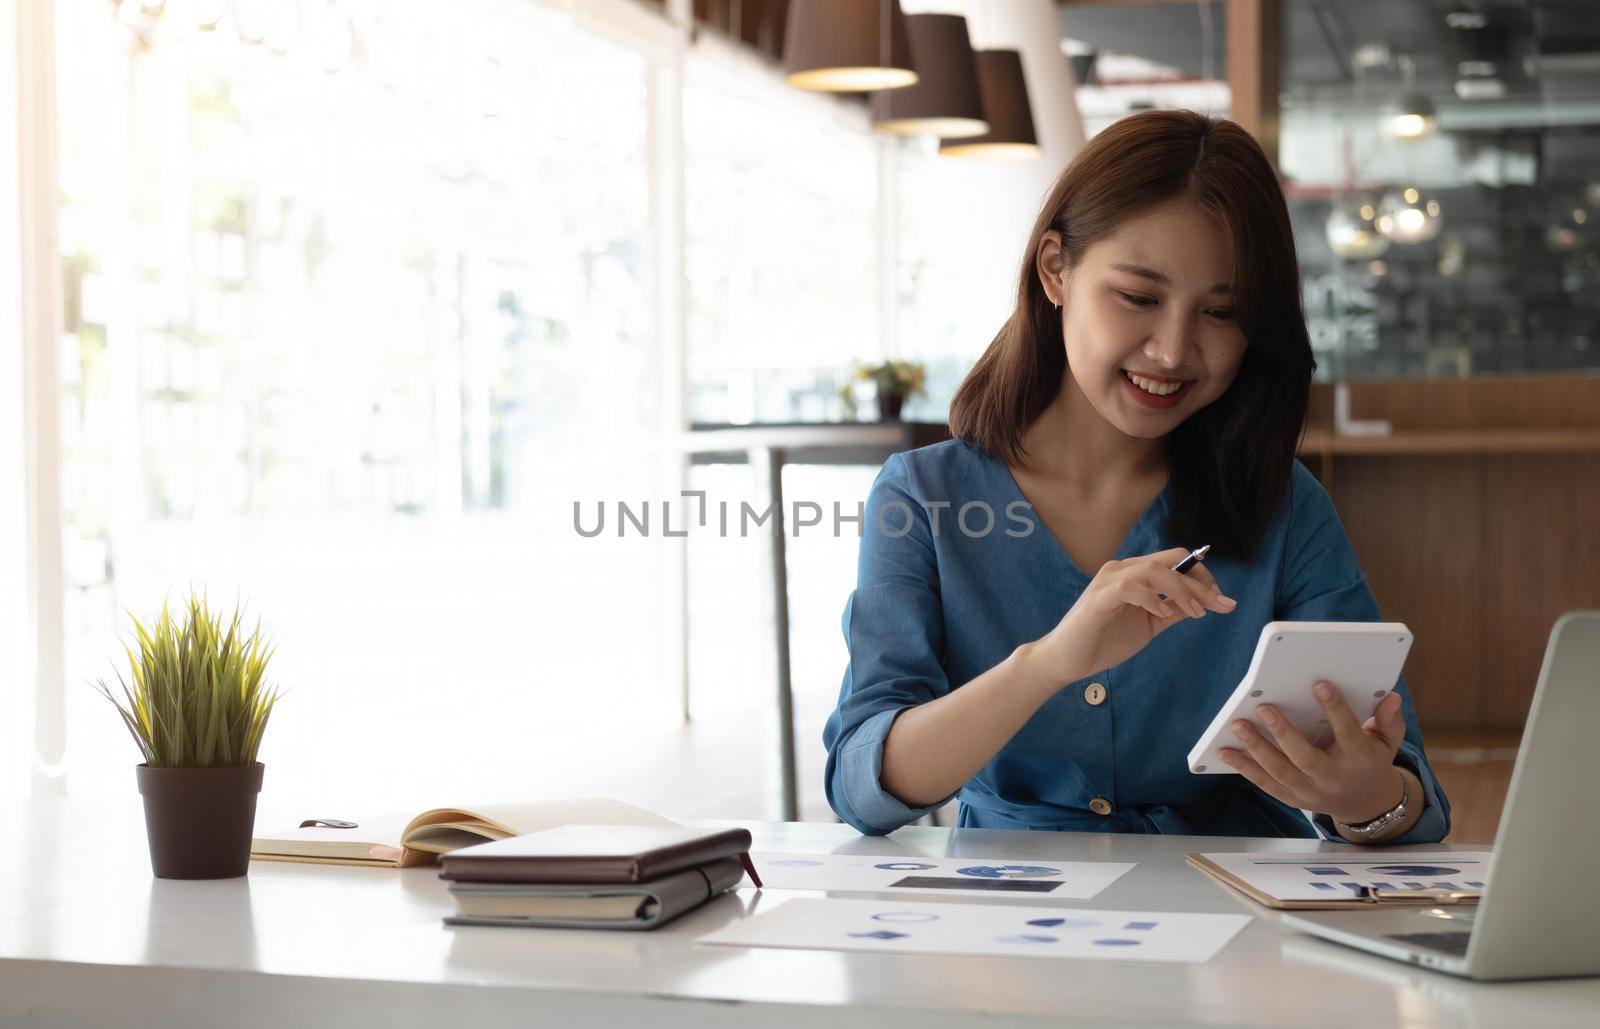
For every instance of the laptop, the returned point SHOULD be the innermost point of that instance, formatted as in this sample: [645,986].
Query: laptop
[1539,916]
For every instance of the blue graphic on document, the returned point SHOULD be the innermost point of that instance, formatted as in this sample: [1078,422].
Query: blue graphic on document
[1008,871]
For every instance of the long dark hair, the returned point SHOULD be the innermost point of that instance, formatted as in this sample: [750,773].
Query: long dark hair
[1229,462]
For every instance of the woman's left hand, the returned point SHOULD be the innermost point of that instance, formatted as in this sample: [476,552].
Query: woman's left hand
[1352,780]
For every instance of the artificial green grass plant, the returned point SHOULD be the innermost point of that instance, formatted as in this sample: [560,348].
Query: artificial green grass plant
[199,695]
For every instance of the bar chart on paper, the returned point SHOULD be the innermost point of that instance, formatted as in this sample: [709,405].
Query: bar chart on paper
[1324,877]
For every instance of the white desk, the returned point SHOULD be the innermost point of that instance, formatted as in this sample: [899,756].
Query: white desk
[87,937]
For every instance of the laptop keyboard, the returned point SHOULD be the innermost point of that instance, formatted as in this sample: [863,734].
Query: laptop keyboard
[1446,943]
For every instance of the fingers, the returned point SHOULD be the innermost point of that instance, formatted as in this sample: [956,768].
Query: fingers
[1203,575]
[1346,730]
[1388,723]
[1246,766]
[1269,757]
[1209,587]
[1194,597]
[1292,742]
[1134,592]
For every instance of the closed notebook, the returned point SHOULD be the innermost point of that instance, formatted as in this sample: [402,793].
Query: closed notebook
[643,905]
[400,841]
[594,854]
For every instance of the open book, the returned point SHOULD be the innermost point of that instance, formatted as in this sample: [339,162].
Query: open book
[393,841]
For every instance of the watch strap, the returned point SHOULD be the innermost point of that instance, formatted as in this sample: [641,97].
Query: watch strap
[1377,826]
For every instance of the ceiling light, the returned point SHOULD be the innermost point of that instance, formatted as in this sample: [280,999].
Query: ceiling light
[847,46]
[1011,136]
[945,100]
[1561,238]
[1466,19]
[1480,89]
[1371,55]
[1352,232]
[1411,117]
[1407,217]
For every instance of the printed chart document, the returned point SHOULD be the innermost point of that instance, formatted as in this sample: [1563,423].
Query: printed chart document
[1280,879]
[961,877]
[989,930]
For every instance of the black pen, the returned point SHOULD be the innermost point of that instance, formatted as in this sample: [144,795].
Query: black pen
[1195,557]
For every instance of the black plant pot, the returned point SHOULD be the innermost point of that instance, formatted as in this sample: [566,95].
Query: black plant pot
[200,820]
[889,405]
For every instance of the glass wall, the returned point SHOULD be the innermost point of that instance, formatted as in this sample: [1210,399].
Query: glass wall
[353,313]
[776,179]
[1443,174]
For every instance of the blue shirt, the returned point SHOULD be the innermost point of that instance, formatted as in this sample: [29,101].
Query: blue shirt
[939,601]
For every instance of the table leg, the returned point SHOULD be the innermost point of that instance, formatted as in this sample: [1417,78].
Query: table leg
[767,464]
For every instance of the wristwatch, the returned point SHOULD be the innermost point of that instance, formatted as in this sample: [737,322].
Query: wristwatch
[1378,826]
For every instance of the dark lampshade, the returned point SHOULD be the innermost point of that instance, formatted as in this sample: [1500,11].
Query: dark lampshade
[945,101]
[847,46]
[1005,107]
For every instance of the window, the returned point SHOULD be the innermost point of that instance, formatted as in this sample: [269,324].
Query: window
[352,316]
[774,179]
[1453,243]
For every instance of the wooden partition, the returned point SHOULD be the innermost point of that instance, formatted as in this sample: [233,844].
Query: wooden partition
[1478,523]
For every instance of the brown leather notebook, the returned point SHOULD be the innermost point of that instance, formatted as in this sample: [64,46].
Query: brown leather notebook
[595,854]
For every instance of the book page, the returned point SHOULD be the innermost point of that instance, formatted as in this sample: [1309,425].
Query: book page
[396,839]
[503,820]
[375,837]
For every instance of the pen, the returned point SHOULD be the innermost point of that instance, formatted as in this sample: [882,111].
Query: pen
[1427,894]
[1195,556]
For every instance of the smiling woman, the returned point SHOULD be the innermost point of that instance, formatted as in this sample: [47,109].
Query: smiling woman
[1145,397]
[1197,250]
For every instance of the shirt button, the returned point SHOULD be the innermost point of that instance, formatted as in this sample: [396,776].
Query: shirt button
[1095,694]
[1100,806]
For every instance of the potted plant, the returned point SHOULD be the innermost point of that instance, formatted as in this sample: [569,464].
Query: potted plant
[892,381]
[197,706]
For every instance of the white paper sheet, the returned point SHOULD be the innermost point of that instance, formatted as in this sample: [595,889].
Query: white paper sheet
[1336,876]
[991,930]
[961,877]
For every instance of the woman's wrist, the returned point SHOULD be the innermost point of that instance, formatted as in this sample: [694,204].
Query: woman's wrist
[1414,798]
[1039,672]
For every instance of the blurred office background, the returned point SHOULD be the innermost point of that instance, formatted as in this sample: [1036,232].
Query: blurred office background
[338,307]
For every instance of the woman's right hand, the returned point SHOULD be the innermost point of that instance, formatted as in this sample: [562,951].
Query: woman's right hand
[1120,611]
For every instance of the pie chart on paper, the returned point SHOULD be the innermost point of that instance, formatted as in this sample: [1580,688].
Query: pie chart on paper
[1008,871]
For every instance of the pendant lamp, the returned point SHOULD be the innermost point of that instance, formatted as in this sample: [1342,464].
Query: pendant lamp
[1352,229]
[945,101]
[1408,216]
[847,46]
[1011,136]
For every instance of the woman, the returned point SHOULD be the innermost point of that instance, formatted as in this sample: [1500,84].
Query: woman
[1145,397]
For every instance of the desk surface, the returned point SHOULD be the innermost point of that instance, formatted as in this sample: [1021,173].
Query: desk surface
[88,936]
